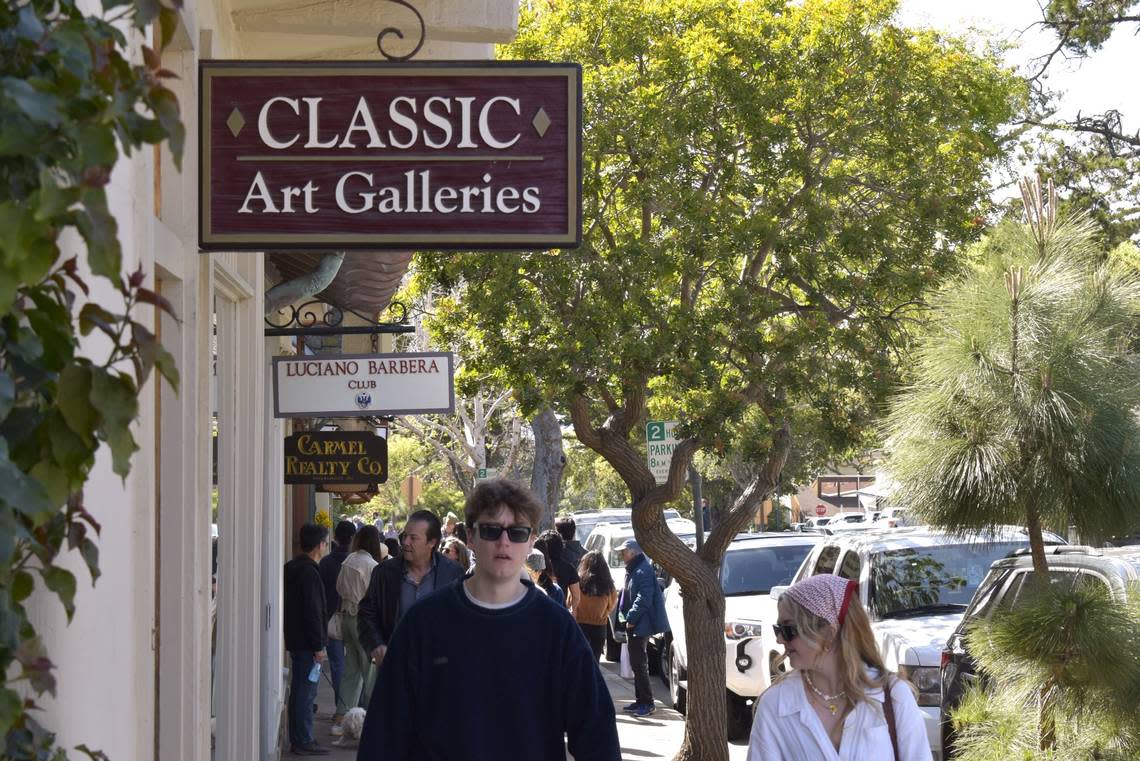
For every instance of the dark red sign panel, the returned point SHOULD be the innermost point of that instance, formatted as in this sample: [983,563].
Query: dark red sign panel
[332,155]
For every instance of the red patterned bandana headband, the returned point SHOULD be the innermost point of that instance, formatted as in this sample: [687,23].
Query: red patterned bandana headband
[826,596]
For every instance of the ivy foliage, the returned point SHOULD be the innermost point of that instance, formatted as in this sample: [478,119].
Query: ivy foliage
[72,102]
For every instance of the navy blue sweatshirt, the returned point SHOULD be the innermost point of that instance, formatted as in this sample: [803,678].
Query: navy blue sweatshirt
[464,683]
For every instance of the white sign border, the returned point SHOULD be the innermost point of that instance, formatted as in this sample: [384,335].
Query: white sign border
[358,413]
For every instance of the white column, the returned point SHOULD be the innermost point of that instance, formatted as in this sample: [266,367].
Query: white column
[239,293]
[272,560]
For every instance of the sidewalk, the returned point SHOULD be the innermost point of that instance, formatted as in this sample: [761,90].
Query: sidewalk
[653,737]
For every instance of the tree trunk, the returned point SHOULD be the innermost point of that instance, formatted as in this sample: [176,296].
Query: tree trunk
[706,719]
[1037,545]
[549,462]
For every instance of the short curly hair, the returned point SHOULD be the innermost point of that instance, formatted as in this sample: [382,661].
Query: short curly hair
[490,495]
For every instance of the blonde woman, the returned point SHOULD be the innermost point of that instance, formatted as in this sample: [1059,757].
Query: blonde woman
[839,702]
[352,583]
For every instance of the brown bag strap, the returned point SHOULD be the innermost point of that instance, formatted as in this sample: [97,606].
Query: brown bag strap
[889,712]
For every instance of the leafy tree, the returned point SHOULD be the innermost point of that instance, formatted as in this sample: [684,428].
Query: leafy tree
[1093,158]
[1023,406]
[768,188]
[590,482]
[70,101]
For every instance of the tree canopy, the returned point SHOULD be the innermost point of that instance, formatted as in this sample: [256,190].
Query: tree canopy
[768,189]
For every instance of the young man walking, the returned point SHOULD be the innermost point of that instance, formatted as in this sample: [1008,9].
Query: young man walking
[304,625]
[642,607]
[491,668]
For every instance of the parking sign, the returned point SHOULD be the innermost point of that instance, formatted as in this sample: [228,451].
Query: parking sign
[660,444]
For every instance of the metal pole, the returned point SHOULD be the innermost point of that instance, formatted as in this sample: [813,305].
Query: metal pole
[698,517]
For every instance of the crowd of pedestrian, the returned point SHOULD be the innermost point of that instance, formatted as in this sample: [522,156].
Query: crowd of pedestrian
[479,639]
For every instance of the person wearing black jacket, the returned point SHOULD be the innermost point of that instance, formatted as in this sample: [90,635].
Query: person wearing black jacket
[305,634]
[398,583]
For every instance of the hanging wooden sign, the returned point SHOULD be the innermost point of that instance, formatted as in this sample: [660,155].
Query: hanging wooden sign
[336,457]
[334,155]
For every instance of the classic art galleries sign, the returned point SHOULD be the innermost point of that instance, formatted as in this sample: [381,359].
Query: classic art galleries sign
[352,385]
[336,457]
[329,155]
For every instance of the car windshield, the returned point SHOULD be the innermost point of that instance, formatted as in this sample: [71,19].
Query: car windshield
[928,579]
[756,570]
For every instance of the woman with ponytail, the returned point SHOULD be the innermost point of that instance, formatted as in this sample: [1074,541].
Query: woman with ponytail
[839,702]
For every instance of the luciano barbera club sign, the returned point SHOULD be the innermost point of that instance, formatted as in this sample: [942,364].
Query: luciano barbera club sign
[355,385]
[332,155]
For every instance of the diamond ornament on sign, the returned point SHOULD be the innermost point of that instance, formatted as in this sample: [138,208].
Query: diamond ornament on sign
[541,122]
[235,122]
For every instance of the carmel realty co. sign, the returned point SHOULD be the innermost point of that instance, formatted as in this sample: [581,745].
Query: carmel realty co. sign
[352,385]
[336,457]
[331,155]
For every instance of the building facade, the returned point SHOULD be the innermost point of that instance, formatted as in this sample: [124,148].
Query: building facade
[138,676]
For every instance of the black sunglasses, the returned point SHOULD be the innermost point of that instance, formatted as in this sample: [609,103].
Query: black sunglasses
[491,532]
[786,631]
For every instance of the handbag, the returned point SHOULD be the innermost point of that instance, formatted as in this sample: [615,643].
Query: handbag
[334,626]
[889,713]
[626,669]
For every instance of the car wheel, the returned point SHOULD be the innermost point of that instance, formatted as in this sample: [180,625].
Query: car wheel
[613,647]
[677,693]
[739,718]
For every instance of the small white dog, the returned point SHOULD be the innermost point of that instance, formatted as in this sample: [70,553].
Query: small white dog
[352,725]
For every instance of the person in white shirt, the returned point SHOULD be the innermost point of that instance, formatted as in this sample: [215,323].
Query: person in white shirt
[352,583]
[839,703]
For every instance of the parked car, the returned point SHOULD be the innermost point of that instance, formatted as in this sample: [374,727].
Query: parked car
[585,521]
[1002,588]
[916,583]
[753,564]
[605,538]
[893,517]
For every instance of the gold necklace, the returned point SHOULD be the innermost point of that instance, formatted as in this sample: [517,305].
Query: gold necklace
[830,702]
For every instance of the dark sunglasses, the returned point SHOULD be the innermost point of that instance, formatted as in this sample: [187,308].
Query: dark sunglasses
[787,632]
[491,532]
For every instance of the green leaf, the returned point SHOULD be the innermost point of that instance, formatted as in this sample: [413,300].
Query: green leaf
[97,144]
[11,707]
[22,586]
[74,400]
[93,316]
[90,553]
[53,199]
[116,399]
[166,365]
[100,232]
[62,582]
[7,394]
[168,20]
[22,493]
[29,26]
[165,105]
[38,106]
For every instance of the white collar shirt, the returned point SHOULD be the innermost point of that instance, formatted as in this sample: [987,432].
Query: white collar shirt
[786,727]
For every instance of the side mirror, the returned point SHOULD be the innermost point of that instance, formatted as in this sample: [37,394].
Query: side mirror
[775,592]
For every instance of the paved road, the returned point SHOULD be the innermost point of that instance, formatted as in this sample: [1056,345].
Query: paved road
[653,737]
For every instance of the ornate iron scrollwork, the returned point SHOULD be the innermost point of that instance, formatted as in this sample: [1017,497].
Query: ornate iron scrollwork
[396,31]
[319,318]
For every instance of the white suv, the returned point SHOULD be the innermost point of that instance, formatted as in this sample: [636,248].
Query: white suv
[916,583]
[606,538]
[753,564]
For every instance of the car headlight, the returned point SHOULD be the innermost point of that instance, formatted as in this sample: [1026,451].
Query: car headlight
[740,630]
[927,680]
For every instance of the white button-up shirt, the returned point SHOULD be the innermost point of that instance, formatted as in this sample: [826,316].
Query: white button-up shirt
[787,728]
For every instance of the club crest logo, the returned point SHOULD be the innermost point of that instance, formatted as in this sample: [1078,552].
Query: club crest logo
[364,400]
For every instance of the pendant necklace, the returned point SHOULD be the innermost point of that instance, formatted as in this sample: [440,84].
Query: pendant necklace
[830,702]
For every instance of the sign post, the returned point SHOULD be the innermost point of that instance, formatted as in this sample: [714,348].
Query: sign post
[485,474]
[660,444]
[410,489]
